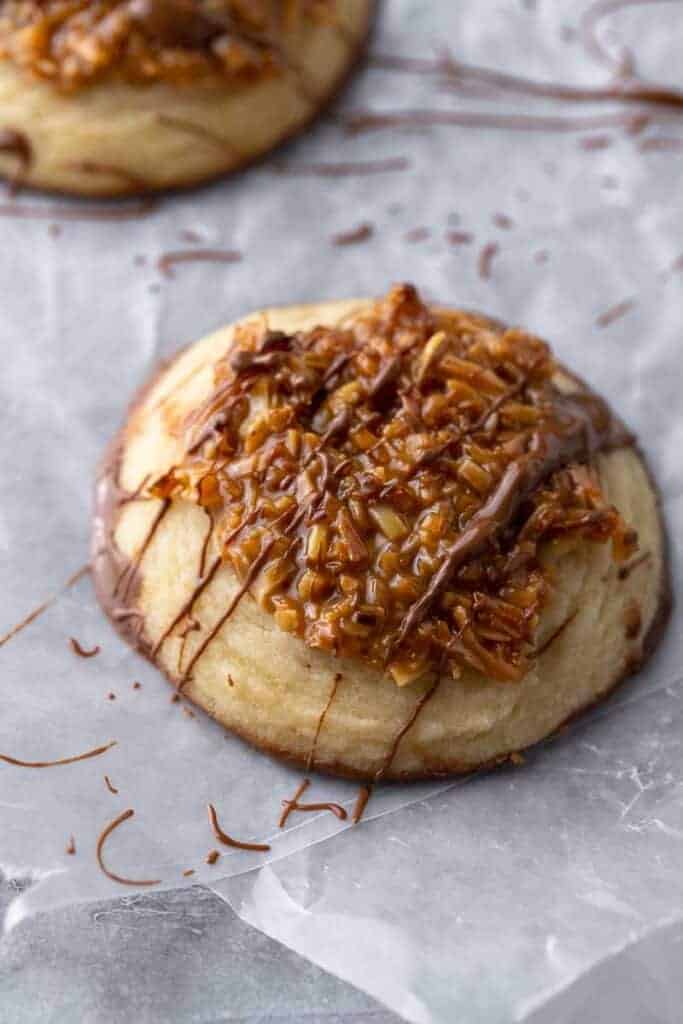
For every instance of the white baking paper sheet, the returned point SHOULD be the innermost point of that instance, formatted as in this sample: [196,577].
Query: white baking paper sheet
[477,901]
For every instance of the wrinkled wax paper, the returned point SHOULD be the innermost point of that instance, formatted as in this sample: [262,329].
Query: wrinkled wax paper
[477,901]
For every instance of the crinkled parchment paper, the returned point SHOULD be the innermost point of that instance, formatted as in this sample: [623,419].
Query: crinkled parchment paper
[477,901]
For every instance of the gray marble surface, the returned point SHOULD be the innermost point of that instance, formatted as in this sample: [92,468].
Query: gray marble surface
[176,957]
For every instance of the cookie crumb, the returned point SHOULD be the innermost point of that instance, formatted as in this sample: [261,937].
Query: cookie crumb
[360,234]
[212,856]
[486,258]
[459,237]
[417,235]
[501,220]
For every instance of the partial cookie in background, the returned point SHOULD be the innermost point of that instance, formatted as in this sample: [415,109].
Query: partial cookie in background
[119,97]
[380,539]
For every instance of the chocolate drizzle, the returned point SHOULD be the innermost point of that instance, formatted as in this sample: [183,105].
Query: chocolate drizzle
[224,838]
[345,169]
[360,234]
[63,760]
[290,806]
[323,714]
[129,572]
[81,211]
[37,612]
[188,607]
[627,89]
[169,260]
[364,121]
[254,570]
[94,168]
[414,715]
[104,835]
[200,132]
[81,651]
[364,794]
[108,783]
[615,313]
[486,258]
[625,570]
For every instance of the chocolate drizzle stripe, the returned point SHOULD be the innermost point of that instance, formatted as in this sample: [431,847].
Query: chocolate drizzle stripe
[431,454]
[336,809]
[364,121]
[188,606]
[615,312]
[227,840]
[393,749]
[130,570]
[132,210]
[135,495]
[169,260]
[201,132]
[359,234]
[104,835]
[456,73]
[486,258]
[110,786]
[288,805]
[622,92]
[364,794]
[321,719]
[253,572]
[81,651]
[205,546]
[625,571]
[95,168]
[344,169]
[32,616]
[63,760]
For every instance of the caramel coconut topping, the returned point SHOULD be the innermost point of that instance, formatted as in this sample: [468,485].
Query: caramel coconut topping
[76,42]
[383,488]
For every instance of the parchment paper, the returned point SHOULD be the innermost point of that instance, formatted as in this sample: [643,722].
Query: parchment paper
[476,901]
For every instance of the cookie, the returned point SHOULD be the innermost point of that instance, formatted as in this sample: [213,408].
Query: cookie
[381,539]
[120,97]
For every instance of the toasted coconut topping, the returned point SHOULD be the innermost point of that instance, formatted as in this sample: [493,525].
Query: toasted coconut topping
[385,486]
[76,42]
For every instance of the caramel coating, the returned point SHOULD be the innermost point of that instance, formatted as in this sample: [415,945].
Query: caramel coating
[384,487]
[76,42]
